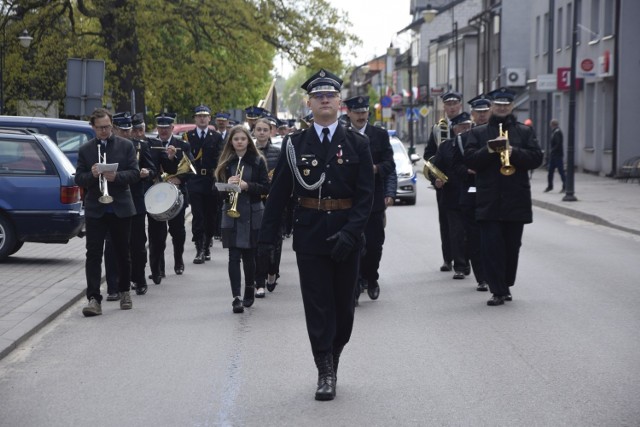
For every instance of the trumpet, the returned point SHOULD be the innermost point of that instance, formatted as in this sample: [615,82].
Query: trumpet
[102,181]
[235,195]
[501,146]
[431,169]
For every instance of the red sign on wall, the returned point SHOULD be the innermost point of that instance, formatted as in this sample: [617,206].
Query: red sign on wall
[564,78]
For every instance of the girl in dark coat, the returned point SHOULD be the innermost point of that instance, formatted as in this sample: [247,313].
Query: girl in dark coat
[241,164]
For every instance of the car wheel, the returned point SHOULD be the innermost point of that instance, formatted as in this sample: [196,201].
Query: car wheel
[7,238]
[16,247]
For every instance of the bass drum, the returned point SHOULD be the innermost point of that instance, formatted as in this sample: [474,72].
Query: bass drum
[163,201]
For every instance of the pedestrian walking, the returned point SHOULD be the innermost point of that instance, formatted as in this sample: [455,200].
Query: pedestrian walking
[556,155]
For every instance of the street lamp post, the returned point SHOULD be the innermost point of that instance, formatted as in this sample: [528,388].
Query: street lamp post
[569,187]
[412,148]
[25,41]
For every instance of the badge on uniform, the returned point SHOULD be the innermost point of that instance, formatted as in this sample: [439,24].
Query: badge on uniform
[339,155]
[306,172]
[314,162]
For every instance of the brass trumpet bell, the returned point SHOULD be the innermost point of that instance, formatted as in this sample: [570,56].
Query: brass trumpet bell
[233,198]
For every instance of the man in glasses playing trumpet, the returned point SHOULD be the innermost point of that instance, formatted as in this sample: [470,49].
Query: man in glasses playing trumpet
[502,152]
[108,206]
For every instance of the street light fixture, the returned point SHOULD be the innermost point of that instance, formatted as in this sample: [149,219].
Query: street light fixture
[25,41]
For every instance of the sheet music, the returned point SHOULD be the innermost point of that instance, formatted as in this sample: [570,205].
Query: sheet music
[223,186]
[107,167]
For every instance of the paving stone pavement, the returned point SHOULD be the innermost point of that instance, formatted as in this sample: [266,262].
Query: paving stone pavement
[40,280]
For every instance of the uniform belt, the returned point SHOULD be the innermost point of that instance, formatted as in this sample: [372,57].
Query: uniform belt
[325,204]
[206,171]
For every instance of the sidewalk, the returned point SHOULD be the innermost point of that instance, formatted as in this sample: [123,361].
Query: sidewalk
[40,281]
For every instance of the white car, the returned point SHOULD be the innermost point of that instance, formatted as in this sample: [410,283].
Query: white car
[407,180]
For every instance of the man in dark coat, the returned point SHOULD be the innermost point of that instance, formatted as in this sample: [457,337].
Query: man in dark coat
[503,201]
[452,105]
[383,165]
[104,215]
[556,155]
[329,170]
[206,146]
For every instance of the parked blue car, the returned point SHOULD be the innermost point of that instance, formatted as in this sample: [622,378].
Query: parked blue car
[39,200]
[69,135]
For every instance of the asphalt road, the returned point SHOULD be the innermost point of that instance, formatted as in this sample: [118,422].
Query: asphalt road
[429,352]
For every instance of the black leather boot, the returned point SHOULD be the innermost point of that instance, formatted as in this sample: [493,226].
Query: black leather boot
[207,249]
[326,377]
[336,360]
[199,259]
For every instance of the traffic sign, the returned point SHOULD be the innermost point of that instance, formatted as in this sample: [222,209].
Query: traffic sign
[385,101]
[424,111]
[396,99]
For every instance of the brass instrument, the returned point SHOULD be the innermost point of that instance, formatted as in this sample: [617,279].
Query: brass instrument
[102,181]
[443,128]
[431,169]
[184,167]
[501,146]
[164,148]
[235,195]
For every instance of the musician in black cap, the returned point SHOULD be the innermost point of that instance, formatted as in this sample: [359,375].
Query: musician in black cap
[328,168]
[452,104]
[383,165]
[252,114]
[503,200]
[173,151]
[451,191]
[222,124]
[206,146]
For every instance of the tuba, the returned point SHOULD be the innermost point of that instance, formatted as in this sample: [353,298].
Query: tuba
[235,195]
[501,146]
[184,167]
[430,169]
[102,181]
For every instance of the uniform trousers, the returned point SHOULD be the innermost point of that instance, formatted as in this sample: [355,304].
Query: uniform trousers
[158,238]
[374,234]
[328,289]
[500,242]
[444,228]
[204,212]
[138,254]
[472,247]
[455,222]
[96,233]
[248,266]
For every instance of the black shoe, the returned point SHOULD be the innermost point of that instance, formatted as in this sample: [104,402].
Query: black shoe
[563,190]
[496,300]
[249,296]
[467,270]
[546,190]
[445,267]
[326,377]
[199,259]
[207,254]
[272,286]
[373,290]
[458,275]
[141,289]
[113,297]
[260,292]
[237,305]
[156,278]
[179,269]
[482,287]
[508,297]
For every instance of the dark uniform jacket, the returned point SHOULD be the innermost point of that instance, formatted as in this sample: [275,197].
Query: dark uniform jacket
[348,172]
[467,198]
[382,156]
[205,156]
[242,232]
[171,166]
[500,197]
[449,160]
[143,155]
[120,151]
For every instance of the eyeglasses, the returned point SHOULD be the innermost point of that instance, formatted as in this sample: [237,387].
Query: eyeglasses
[103,128]
[328,95]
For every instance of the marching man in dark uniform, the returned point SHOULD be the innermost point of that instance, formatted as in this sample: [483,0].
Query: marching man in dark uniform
[383,165]
[452,104]
[222,124]
[329,170]
[174,148]
[503,200]
[203,197]
[252,115]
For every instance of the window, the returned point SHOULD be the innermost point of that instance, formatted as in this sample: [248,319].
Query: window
[569,27]
[607,29]
[559,25]
[18,157]
[70,141]
[595,20]
[589,95]
[537,46]
[545,33]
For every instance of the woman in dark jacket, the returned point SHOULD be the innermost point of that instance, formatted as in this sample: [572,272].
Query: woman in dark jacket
[242,164]
[503,202]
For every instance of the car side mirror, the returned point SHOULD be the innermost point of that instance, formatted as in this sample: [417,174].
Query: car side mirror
[414,158]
